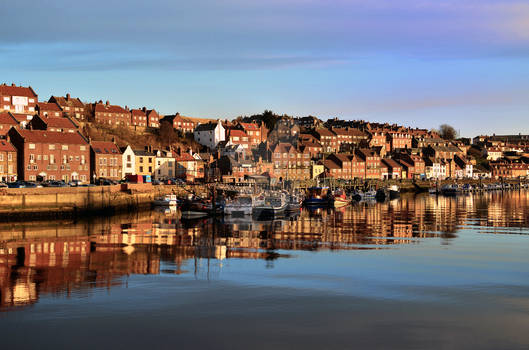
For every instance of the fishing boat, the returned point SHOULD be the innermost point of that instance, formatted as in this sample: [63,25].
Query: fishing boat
[274,205]
[394,191]
[169,200]
[241,205]
[432,190]
[369,194]
[318,196]
[340,199]
[294,203]
[195,208]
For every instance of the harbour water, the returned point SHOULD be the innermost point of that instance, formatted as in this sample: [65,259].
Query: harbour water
[423,272]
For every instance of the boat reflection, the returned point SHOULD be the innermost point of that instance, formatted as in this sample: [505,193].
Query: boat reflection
[63,257]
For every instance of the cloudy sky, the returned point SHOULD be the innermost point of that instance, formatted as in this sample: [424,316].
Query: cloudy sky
[416,62]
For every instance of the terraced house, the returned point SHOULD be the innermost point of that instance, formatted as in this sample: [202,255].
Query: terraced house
[45,155]
[20,101]
[70,106]
[111,115]
[105,160]
[8,161]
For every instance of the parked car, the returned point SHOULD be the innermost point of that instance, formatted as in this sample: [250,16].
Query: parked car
[54,183]
[157,182]
[31,184]
[3,185]
[74,183]
[16,184]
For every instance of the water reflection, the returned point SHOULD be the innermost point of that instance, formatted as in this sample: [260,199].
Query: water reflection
[62,257]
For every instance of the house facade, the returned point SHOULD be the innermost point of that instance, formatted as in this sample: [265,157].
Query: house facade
[210,134]
[105,160]
[45,155]
[8,161]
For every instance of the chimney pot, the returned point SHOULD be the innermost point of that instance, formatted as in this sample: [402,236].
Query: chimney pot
[107,103]
[67,96]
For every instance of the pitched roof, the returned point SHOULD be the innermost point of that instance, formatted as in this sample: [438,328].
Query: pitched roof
[331,164]
[44,136]
[142,153]
[6,146]
[236,133]
[103,108]
[324,132]
[206,127]
[49,106]
[20,117]
[59,122]
[283,147]
[184,157]
[249,126]
[12,90]
[67,101]
[7,118]
[390,162]
[137,113]
[105,147]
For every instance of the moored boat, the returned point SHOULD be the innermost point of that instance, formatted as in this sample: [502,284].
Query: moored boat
[274,205]
[242,205]
[169,200]
[318,196]
[340,199]
[394,191]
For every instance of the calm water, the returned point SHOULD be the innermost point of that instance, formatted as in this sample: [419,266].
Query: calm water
[424,272]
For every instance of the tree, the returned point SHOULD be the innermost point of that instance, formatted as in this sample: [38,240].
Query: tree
[447,132]
[168,135]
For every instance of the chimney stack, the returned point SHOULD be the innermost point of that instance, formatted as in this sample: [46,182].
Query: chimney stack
[144,109]
[107,103]
[68,97]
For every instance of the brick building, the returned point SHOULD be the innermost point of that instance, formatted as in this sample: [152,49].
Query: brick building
[70,106]
[8,161]
[105,160]
[18,99]
[372,163]
[153,118]
[49,109]
[54,124]
[138,118]
[45,155]
[111,115]
[7,121]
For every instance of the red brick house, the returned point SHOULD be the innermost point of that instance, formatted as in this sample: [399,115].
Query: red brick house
[49,109]
[45,155]
[111,115]
[105,160]
[18,99]
[327,139]
[180,123]
[138,118]
[153,118]
[189,168]
[390,169]
[372,163]
[254,132]
[314,149]
[399,140]
[8,161]
[237,137]
[358,166]
[53,124]
[290,163]
[72,107]
[7,121]
[344,162]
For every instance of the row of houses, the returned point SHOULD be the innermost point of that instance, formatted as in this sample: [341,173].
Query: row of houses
[40,155]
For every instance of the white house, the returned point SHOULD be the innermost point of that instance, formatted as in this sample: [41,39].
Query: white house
[129,161]
[210,134]
[165,167]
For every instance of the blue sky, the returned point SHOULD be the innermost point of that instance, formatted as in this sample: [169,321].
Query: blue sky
[420,63]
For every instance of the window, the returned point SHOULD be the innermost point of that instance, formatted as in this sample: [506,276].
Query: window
[1,157]
[6,98]
[141,159]
[52,159]
[128,158]
[141,169]
[31,146]
[83,148]
[51,147]
[64,147]
[1,168]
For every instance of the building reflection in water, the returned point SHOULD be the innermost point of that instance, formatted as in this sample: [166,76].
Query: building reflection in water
[62,257]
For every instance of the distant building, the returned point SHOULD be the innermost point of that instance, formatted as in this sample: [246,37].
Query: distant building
[7,121]
[145,162]
[138,118]
[110,115]
[49,109]
[153,118]
[128,161]
[165,167]
[55,124]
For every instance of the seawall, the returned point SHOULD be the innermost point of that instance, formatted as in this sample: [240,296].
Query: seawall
[71,202]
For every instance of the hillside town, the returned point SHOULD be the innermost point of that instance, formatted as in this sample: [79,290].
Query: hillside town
[68,140]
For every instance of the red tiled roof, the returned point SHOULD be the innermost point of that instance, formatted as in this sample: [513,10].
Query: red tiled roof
[43,136]
[7,118]
[101,108]
[234,132]
[249,126]
[47,106]
[184,157]
[105,147]
[331,164]
[138,113]
[70,102]
[58,122]
[20,117]
[6,146]
[283,147]
[325,132]
[8,90]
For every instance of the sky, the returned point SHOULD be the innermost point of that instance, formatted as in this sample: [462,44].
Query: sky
[414,62]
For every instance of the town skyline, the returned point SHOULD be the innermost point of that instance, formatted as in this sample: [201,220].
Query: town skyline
[420,63]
